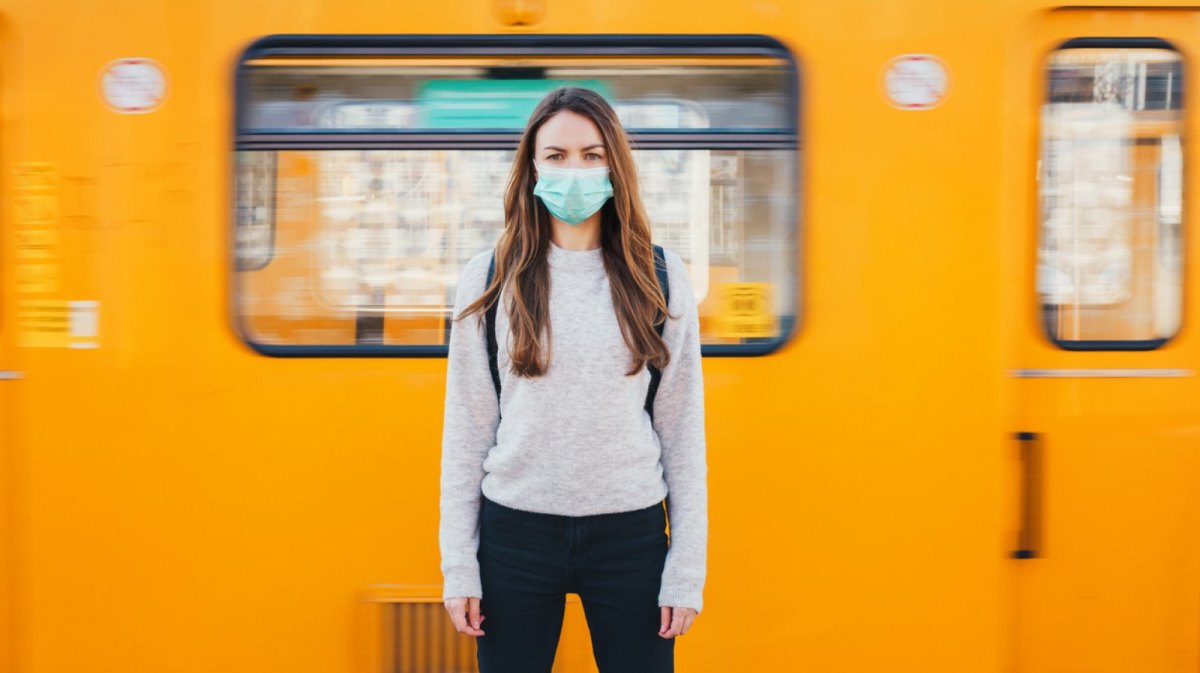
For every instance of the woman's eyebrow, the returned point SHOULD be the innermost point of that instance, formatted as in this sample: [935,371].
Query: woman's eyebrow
[589,147]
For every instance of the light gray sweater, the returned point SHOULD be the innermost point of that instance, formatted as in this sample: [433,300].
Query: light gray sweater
[577,440]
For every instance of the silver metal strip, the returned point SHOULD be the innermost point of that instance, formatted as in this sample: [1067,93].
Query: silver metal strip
[1100,373]
[784,140]
[11,375]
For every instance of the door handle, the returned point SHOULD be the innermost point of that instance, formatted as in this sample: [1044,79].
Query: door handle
[1029,538]
[10,375]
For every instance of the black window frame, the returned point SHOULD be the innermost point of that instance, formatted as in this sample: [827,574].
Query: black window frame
[457,45]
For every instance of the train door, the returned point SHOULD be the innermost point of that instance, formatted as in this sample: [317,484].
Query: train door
[1106,556]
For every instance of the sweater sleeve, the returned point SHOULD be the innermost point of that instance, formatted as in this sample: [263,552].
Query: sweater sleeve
[679,422]
[472,415]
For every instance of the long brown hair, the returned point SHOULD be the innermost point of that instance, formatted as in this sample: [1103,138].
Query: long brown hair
[624,239]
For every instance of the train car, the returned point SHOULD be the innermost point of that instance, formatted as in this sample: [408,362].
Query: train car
[941,253]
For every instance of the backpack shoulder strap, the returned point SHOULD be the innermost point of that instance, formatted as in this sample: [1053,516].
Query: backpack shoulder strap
[660,270]
[490,318]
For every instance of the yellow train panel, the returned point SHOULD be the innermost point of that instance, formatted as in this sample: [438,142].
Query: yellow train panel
[916,477]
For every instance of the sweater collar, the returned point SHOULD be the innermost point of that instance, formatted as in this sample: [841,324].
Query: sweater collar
[575,260]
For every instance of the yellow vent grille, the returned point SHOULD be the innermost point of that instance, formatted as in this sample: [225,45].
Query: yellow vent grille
[407,630]
[423,640]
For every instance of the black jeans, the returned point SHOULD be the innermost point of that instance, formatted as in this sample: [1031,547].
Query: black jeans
[529,562]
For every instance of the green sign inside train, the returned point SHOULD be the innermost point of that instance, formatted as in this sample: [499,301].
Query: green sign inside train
[488,103]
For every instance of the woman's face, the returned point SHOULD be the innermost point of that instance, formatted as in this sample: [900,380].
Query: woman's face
[569,140]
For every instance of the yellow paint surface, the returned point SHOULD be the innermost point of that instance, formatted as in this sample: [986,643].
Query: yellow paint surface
[174,501]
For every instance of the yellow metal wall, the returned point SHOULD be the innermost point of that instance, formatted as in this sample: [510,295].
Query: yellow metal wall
[179,503]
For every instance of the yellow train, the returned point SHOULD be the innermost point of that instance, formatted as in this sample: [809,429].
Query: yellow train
[947,302]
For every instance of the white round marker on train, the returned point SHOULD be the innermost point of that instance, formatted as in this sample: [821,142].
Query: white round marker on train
[133,85]
[916,81]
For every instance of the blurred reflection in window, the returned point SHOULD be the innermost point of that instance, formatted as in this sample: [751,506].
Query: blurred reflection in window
[389,174]
[1111,191]
[255,194]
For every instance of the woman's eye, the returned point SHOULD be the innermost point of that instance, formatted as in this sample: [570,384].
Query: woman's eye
[554,157]
[593,155]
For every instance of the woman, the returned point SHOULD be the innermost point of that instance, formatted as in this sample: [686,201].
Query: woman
[553,482]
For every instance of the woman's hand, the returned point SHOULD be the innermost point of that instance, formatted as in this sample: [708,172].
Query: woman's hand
[464,612]
[676,621]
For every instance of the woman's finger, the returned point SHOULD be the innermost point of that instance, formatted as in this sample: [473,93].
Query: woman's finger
[677,617]
[458,616]
[664,620]
[687,621]
[676,623]
[473,610]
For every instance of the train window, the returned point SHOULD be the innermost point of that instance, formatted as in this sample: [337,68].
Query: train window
[369,170]
[1110,189]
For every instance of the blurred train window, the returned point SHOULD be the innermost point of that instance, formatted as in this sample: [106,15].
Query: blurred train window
[1110,187]
[369,172]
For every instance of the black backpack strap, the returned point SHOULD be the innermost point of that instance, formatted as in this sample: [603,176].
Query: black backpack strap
[660,270]
[490,317]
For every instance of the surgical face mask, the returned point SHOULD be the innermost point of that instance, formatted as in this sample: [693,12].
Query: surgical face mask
[573,194]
